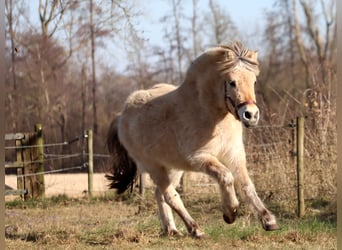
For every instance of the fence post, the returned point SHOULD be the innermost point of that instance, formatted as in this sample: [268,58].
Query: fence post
[300,165]
[20,170]
[90,162]
[294,141]
[40,158]
[33,158]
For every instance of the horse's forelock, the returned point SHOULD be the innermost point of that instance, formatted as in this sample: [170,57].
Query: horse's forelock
[227,57]
[236,55]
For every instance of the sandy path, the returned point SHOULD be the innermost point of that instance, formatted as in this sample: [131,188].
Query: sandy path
[72,185]
[76,185]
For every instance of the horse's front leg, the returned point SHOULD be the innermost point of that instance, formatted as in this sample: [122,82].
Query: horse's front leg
[250,196]
[214,168]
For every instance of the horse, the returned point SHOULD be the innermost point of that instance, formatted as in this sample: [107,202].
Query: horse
[197,126]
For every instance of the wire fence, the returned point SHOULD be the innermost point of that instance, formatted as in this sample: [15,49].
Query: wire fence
[57,157]
[270,159]
[272,165]
[84,166]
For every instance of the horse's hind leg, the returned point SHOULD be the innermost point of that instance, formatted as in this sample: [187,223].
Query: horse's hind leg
[167,192]
[165,211]
[249,194]
[165,215]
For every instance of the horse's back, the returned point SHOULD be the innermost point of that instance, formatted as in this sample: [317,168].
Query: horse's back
[145,118]
[157,124]
[141,97]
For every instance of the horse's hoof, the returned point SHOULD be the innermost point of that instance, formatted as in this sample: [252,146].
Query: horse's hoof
[271,227]
[173,233]
[198,234]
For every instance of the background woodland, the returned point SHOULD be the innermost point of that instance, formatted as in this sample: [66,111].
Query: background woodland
[63,71]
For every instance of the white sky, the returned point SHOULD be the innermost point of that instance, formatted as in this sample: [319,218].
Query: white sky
[247,15]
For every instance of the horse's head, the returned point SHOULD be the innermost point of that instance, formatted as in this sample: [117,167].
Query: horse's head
[225,77]
[239,71]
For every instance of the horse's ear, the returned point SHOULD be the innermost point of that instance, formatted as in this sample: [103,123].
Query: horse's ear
[252,54]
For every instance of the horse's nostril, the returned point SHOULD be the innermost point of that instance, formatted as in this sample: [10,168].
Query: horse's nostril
[247,115]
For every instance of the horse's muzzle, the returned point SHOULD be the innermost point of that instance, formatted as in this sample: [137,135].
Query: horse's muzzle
[249,113]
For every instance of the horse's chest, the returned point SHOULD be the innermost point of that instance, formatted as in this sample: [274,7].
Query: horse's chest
[228,142]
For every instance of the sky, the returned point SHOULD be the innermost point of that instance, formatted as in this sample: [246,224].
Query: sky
[246,14]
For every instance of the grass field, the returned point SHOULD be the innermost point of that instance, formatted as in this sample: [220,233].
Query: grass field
[109,222]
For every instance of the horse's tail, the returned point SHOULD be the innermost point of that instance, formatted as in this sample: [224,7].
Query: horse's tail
[124,169]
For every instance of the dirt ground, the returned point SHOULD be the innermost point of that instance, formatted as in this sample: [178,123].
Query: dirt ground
[73,185]
[76,185]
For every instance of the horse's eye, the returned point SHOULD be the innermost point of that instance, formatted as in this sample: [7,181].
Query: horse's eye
[255,83]
[232,84]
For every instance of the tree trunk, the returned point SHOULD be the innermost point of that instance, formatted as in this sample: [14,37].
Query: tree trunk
[300,45]
[92,41]
[176,9]
[194,28]
[12,95]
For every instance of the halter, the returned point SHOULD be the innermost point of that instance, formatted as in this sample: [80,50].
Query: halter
[232,102]
[246,103]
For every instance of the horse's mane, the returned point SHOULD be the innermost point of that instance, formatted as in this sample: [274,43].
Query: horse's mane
[237,54]
[227,58]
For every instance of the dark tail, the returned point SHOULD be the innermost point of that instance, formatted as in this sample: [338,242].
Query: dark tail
[124,170]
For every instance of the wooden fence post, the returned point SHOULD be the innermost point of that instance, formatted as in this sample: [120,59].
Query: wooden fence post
[20,168]
[90,162]
[294,141]
[300,166]
[40,159]
[33,159]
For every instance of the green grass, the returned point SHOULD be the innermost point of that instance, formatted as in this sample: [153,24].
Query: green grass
[112,222]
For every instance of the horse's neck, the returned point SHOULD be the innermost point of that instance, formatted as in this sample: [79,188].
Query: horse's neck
[188,95]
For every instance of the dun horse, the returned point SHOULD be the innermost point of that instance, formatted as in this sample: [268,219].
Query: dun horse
[197,126]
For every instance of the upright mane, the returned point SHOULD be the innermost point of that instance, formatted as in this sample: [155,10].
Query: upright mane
[237,55]
[227,58]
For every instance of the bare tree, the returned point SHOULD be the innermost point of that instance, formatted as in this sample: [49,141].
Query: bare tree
[300,43]
[98,21]
[51,13]
[194,28]
[10,20]
[176,11]
[221,27]
[324,48]
[93,68]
